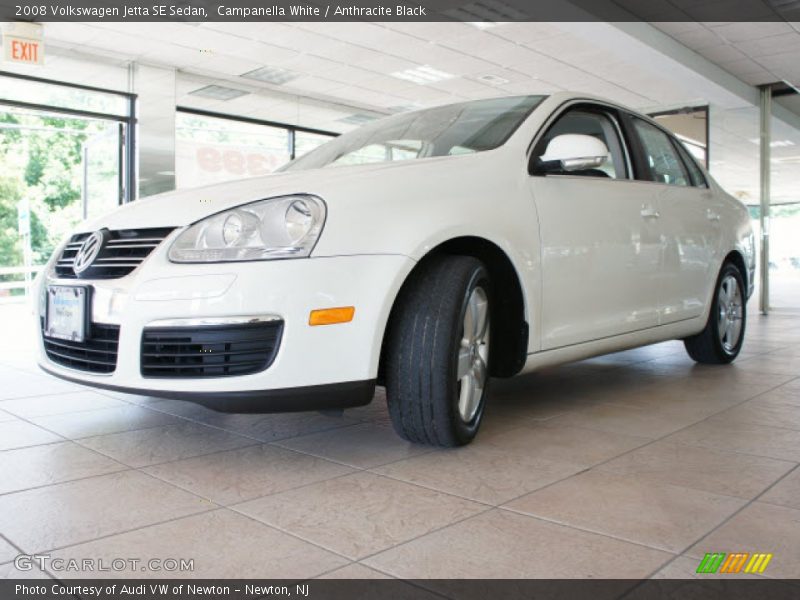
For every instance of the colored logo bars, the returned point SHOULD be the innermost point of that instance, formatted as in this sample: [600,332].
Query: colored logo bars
[719,562]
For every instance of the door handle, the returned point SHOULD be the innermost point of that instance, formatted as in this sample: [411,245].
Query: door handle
[711,215]
[648,212]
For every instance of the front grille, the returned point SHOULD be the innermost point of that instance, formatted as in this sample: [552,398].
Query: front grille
[97,353]
[212,351]
[124,251]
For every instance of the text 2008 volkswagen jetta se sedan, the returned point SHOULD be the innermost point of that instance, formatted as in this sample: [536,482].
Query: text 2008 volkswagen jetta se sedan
[426,252]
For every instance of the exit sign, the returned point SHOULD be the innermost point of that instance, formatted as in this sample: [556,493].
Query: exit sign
[22,43]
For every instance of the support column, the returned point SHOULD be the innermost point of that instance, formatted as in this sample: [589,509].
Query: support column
[155,92]
[765,141]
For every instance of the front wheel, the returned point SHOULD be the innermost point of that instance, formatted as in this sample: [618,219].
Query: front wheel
[437,367]
[721,340]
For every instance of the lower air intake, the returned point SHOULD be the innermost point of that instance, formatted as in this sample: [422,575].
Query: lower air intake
[209,351]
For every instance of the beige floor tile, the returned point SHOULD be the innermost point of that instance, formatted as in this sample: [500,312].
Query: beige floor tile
[359,514]
[749,438]
[363,446]
[7,551]
[695,396]
[773,363]
[78,511]
[786,492]
[26,385]
[479,473]
[58,404]
[20,434]
[261,427]
[660,516]
[355,571]
[700,468]
[500,544]
[785,394]
[52,463]
[759,528]
[223,545]
[532,409]
[574,445]
[145,447]
[765,412]
[628,421]
[104,421]
[245,473]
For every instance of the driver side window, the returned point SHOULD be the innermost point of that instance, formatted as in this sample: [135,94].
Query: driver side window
[598,125]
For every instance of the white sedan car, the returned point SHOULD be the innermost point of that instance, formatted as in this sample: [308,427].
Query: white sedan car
[426,252]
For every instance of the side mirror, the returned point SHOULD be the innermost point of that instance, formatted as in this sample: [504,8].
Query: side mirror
[571,152]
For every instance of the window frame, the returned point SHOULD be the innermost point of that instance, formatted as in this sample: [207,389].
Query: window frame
[687,158]
[613,113]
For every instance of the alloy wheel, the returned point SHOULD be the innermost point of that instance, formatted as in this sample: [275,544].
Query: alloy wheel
[473,354]
[729,324]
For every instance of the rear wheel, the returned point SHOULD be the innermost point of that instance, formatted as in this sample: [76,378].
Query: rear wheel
[437,356]
[721,340]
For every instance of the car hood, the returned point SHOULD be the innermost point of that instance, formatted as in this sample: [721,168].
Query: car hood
[184,207]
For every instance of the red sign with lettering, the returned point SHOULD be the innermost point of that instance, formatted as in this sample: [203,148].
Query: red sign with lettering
[21,50]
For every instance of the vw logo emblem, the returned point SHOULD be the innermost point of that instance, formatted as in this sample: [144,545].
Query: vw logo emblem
[88,251]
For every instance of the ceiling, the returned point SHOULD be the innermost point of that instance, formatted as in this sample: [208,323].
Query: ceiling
[756,53]
[336,74]
[362,65]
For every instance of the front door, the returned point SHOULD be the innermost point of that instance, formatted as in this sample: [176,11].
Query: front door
[600,243]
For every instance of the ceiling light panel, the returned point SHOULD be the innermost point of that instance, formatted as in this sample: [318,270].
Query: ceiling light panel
[423,75]
[218,92]
[273,75]
[493,79]
[357,119]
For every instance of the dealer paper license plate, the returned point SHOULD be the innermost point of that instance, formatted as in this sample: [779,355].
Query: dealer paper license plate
[66,313]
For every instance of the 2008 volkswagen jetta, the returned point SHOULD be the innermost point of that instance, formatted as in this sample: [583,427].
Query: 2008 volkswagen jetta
[427,252]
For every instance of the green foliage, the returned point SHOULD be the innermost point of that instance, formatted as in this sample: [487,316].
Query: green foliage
[40,159]
[10,193]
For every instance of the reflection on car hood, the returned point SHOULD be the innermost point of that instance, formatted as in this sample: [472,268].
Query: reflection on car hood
[187,206]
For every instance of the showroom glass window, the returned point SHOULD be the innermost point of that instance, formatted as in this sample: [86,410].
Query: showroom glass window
[211,149]
[662,158]
[305,142]
[462,128]
[598,125]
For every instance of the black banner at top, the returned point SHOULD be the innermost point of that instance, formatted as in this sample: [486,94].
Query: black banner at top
[399,10]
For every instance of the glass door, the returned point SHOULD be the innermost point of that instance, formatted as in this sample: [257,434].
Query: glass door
[784,256]
[64,157]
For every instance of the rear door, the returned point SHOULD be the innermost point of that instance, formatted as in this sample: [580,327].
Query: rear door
[688,223]
[600,243]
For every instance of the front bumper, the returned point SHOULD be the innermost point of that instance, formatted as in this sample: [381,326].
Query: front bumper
[314,368]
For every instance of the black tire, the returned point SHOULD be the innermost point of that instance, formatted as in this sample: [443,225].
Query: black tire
[707,347]
[423,345]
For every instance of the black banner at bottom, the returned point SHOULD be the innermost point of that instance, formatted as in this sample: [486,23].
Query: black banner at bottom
[395,589]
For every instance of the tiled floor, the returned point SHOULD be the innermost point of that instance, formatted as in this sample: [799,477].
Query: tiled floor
[630,465]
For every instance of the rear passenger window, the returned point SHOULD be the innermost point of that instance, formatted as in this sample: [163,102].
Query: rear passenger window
[662,158]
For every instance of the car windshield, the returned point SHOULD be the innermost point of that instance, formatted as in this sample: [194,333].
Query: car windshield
[463,128]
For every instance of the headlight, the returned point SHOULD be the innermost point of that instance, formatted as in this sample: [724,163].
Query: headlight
[285,227]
